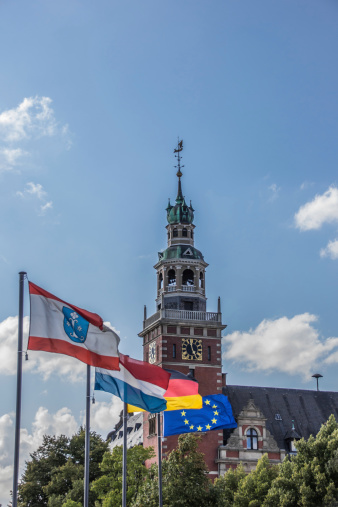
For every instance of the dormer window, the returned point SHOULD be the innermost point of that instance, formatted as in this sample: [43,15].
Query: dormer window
[251,439]
[293,447]
[188,252]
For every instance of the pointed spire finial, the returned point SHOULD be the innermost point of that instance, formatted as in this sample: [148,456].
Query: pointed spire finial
[179,173]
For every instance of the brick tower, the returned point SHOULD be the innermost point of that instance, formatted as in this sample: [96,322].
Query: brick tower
[181,334]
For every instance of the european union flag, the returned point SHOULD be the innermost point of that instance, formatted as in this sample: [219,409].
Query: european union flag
[215,414]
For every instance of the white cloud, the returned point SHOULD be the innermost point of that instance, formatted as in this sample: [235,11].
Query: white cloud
[331,250]
[322,209]
[274,191]
[291,346]
[45,207]
[31,120]
[42,363]
[35,190]
[33,117]
[10,157]
[61,422]
[104,415]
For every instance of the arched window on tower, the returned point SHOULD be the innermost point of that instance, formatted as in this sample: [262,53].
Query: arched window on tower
[171,278]
[184,233]
[201,281]
[168,234]
[251,439]
[192,234]
[160,281]
[175,233]
[188,278]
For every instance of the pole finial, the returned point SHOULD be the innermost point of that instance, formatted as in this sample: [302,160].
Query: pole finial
[179,173]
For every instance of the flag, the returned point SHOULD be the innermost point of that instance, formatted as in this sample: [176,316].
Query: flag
[215,414]
[138,383]
[182,392]
[57,326]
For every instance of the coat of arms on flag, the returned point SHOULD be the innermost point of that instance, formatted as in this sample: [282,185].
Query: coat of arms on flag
[75,326]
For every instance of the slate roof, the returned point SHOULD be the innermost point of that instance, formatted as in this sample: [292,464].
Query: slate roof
[308,409]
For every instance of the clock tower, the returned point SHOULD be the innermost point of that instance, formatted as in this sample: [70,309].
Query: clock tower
[182,334]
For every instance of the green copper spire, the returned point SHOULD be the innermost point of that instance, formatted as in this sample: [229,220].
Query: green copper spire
[180,213]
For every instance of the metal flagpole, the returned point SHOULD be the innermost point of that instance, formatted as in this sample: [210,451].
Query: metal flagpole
[18,391]
[159,447]
[124,460]
[87,441]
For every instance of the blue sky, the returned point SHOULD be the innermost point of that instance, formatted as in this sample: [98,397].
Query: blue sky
[93,97]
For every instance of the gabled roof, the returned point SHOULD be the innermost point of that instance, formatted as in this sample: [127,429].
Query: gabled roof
[308,409]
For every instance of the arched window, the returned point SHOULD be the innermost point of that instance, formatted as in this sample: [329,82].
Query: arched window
[160,281]
[251,439]
[184,233]
[171,277]
[201,281]
[168,234]
[175,233]
[188,277]
[192,234]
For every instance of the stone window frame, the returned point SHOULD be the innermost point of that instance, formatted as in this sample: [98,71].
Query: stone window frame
[251,436]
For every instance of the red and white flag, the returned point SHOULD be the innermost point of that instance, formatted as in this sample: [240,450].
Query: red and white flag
[57,326]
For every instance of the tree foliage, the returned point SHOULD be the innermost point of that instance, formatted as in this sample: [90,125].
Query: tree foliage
[108,488]
[54,474]
[185,481]
[311,477]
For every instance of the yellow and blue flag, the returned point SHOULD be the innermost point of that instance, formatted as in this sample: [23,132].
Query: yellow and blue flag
[215,414]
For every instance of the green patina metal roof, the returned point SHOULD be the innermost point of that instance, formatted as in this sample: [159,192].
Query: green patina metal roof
[181,213]
[180,252]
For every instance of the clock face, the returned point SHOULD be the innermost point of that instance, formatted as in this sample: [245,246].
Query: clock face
[192,349]
[152,353]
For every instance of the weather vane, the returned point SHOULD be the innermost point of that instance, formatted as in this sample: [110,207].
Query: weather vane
[177,152]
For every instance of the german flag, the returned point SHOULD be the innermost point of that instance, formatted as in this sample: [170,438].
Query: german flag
[182,393]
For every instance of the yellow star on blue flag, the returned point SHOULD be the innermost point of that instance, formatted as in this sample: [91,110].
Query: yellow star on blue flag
[203,419]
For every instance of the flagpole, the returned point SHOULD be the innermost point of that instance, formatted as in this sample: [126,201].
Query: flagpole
[87,441]
[18,391]
[124,459]
[159,454]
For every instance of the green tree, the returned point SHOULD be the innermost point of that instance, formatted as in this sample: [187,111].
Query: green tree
[108,488]
[311,477]
[254,487]
[236,488]
[55,471]
[184,479]
[227,485]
